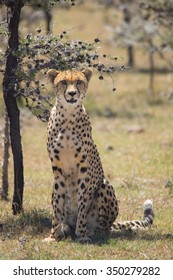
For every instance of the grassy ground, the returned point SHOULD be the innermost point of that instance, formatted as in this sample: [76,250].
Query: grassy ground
[135,144]
[135,140]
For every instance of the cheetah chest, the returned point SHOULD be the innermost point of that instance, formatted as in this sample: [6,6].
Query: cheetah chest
[70,150]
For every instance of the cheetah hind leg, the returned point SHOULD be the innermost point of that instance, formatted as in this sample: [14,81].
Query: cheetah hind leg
[108,207]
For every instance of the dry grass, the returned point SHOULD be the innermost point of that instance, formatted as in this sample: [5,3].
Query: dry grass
[134,138]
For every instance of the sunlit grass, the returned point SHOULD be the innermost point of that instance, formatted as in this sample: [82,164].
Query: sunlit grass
[139,164]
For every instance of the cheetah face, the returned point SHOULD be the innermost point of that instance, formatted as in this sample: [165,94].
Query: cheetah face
[70,86]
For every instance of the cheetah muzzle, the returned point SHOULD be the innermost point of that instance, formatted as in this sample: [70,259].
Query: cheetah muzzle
[83,201]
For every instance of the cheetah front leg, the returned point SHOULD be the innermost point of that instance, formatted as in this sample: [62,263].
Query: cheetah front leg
[60,229]
[85,200]
[83,206]
[80,232]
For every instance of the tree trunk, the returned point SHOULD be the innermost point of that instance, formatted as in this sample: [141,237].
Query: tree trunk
[48,16]
[5,184]
[130,51]
[152,72]
[130,48]
[11,103]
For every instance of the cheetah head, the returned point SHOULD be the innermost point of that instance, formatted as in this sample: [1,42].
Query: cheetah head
[70,86]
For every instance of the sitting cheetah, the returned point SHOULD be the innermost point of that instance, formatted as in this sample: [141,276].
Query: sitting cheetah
[83,201]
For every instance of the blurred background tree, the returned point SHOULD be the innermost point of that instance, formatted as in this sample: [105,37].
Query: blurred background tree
[146,25]
[128,8]
[159,15]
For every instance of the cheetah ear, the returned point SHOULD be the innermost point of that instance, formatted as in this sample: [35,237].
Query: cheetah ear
[88,73]
[52,73]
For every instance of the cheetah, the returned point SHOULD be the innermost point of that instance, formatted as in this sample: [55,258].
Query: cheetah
[83,200]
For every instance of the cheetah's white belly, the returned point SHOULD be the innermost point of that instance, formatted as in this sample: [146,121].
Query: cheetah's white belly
[68,162]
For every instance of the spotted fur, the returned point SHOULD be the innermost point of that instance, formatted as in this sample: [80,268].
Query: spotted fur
[83,201]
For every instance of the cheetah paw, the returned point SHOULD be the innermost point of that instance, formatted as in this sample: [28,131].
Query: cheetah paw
[61,231]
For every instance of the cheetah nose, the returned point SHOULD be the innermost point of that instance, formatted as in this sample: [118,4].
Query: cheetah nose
[72,93]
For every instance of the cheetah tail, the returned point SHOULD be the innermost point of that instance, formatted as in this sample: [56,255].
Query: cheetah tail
[145,223]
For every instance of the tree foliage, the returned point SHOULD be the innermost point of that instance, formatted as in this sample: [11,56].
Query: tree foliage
[161,13]
[38,52]
[38,3]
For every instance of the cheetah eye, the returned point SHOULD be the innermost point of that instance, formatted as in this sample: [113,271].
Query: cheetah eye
[79,82]
[64,82]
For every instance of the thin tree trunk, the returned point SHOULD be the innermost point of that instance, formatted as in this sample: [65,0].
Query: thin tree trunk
[5,184]
[130,51]
[11,104]
[130,48]
[152,72]
[48,16]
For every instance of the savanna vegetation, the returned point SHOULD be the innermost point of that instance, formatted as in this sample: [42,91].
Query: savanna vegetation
[133,132]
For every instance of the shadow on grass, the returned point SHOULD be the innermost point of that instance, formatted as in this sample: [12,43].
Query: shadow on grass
[103,239]
[142,236]
[36,222]
[32,223]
